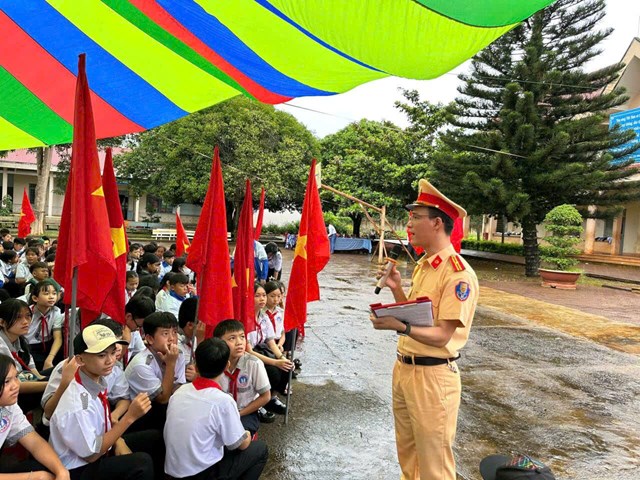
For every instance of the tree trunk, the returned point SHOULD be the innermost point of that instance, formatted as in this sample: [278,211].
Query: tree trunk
[531,251]
[40,204]
[229,206]
[356,219]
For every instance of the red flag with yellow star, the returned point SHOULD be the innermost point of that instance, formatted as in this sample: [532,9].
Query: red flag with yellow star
[85,238]
[209,253]
[243,268]
[310,257]
[27,217]
[114,303]
[182,241]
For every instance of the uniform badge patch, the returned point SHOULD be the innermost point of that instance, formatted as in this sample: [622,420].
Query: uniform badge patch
[149,359]
[462,291]
[4,424]
[243,380]
[84,398]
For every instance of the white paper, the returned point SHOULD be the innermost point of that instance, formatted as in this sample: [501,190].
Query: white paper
[417,314]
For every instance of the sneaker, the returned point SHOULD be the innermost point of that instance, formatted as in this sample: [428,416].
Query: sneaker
[275,405]
[297,363]
[265,416]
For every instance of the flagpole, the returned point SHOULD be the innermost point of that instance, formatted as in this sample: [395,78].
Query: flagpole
[293,352]
[73,313]
[194,339]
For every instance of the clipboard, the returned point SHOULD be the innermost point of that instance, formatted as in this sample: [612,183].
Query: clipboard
[418,312]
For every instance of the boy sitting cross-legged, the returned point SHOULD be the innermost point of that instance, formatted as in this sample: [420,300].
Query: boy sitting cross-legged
[204,437]
[159,369]
[245,377]
[81,428]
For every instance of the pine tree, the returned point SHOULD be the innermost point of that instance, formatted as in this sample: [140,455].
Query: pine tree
[532,125]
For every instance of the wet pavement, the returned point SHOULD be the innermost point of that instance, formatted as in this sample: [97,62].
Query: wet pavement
[528,387]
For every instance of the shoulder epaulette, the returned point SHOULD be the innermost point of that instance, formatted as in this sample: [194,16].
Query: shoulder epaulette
[456,262]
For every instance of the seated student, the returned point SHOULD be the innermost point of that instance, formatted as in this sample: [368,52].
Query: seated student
[204,437]
[135,252]
[168,257]
[150,247]
[23,273]
[81,428]
[16,428]
[45,331]
[64,372]
[160,249]
[163,291]
[261,262]
[261,343]
[159,369]
[39,272]
[149,264]
[245,377]
[15,318]
[131,285]
[7,246]
[19,245]
[135,311]
[5,235]
[178,293]
[275,312]
[38,244]
[188,330]
[8,263]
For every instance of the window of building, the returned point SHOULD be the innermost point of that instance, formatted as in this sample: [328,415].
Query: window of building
[157,205]
[608,227]
[32,193]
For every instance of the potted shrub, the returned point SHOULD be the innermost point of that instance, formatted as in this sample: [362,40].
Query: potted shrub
[564,226]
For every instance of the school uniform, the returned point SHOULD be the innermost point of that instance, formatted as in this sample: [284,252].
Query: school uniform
[247,382]
[22,359]
[170,302]
[116,382]
[186,346]
[22,271]
[136,345]
[13,425]
[128,295]
[258,340]
[40,335]
[202,435]
[276,318]
[78,425]
[275,265]
[164,269]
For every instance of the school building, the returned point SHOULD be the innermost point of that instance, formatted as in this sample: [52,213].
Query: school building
[619,236]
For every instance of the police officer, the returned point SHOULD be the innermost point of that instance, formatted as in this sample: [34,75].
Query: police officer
[426,382]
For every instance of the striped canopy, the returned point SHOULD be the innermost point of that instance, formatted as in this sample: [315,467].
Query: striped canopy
[153,61]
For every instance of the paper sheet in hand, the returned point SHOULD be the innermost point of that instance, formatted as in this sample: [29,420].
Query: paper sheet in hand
[416,312]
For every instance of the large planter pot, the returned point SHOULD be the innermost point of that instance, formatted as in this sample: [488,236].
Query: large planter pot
[559,279]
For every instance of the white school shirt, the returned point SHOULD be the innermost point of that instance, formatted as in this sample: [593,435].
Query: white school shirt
[169,303]
[13,425]
[77,426]
[275,261]
[7,269]
[117,386]
[55,319]
[252,380]
[136,345]
[278,315]
[145,371]
[7,348]
[263,332]
[128,295]
[22,271]
[201,421]
[185,346]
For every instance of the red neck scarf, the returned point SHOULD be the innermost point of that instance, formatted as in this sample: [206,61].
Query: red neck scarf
[233,383]
[200,383]
[20,361]
[272,317]
[103,399]
[44,325]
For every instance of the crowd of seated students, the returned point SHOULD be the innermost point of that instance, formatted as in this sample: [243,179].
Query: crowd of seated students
[150,399]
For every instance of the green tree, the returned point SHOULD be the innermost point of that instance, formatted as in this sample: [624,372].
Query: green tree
[256,141]
[377,162]
[531,121]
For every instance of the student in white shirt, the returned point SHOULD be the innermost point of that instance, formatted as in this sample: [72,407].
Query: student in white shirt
[159,370]
[45,331]
[131,285]
[204,437]
[64,372]
[23,275]
[178,292]
[135,311]
[81,429]
[15,428]
[189,330]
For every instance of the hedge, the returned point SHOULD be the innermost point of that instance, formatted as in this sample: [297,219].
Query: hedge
[497,247]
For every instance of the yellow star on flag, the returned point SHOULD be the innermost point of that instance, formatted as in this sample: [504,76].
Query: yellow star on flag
[98,192]
[119,243]
[301,247]
[233,282]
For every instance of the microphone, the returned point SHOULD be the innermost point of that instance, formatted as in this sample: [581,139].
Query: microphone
[391,261]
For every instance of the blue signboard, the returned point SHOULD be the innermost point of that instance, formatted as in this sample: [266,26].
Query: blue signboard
[628,120]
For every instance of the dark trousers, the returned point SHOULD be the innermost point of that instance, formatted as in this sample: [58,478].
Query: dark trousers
[39,354]
[145,463]
[237,464]
[25,466]
[277,378]
[251,422]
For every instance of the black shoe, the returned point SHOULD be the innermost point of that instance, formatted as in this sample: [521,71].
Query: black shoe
[266,417]
[276,406]
[297,363]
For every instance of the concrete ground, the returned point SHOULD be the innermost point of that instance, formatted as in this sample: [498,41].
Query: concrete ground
[559,382]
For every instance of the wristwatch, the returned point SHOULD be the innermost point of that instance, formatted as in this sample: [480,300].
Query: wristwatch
[407,329]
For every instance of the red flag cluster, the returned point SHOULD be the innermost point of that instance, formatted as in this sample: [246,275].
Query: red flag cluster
[27,217]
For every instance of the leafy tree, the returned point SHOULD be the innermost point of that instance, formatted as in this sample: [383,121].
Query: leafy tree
[256,141]
[531,125]
[377,162]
